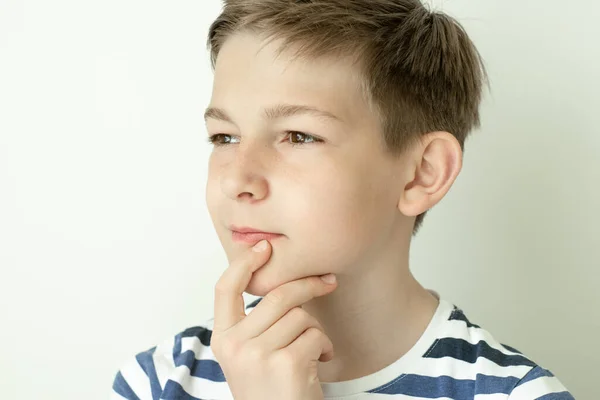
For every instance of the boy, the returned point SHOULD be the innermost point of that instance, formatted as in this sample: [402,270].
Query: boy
[337,124]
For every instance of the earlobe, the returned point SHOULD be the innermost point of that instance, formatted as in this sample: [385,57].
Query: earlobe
[437,163]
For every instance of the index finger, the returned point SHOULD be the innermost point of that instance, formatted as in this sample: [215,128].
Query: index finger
[229,302]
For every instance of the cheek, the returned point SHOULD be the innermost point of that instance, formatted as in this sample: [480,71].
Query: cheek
[338,222]
[347,205]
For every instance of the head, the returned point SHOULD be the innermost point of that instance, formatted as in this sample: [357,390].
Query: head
[337,124]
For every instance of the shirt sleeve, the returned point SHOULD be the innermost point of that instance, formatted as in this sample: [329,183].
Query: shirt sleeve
[540,384]
[137,380]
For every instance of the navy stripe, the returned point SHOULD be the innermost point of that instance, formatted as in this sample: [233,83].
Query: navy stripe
[535,373]
[177,350]
[557,396]
[509,348]
[201,332]
[462,350]
[458,315]
[254,303]
[121,386]
[147,363]
[207,369]
[445,386]
[174,391]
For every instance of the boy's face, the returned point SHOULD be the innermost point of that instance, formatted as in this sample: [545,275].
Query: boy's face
[335,202]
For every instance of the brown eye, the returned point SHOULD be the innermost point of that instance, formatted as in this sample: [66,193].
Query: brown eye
[299,138]
[220,139]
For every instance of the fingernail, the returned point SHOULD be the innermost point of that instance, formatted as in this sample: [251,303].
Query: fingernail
[329,278]
[260,246]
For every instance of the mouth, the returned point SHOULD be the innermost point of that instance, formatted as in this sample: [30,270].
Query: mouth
[251,235]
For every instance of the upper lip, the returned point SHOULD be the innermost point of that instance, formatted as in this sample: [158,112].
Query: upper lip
[247,229]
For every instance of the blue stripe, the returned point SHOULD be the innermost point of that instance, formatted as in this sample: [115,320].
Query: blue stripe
[535,373]
[458,315]
[445,386]
[207,369]
[509,348]
[254,303]
[462,350]
[557,396]
[539,372]
[174,391]
[147,363]
[121,386]
[201,332]
[177,349]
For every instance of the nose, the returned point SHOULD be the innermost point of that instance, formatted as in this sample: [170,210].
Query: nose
[243,178]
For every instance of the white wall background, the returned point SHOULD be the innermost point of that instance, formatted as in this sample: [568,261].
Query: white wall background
[106,246]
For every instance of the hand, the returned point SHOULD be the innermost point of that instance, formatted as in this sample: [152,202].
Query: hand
[273,352]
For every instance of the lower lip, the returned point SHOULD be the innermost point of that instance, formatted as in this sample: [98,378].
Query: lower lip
[253,237]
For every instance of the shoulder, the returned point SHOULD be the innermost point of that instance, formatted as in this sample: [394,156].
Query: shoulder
[181,366]
[472,353]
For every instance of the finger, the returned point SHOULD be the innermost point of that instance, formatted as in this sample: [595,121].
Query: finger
[312,345]
[287,329]
[229,306]
[281,300]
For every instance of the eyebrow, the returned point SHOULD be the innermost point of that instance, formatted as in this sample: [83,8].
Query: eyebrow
[275,112]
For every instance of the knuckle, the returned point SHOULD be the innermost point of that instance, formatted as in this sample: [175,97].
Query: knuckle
[275,297]
[313,332]
[316,335]
[299,316]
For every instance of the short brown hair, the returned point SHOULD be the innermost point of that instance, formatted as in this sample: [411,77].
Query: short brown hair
[420,71]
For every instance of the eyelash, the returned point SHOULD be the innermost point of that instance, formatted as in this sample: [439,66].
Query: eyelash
[213,139]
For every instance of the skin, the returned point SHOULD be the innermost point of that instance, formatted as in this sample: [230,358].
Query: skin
[342,203]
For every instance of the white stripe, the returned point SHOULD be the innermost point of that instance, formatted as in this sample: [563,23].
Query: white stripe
[495,396]
[457,329]
[537,388]
[137,379]
[380,396]
[201,352]
[457,369]
[200,387]
[163,361]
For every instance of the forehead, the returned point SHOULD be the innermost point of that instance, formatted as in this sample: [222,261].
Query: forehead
[249,73]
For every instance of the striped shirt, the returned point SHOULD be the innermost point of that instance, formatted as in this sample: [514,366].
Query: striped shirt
[453,359]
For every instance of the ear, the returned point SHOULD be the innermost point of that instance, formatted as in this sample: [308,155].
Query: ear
[433,166]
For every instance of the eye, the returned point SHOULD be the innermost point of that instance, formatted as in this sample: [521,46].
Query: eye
[295,138]
[300,138]
[220,139]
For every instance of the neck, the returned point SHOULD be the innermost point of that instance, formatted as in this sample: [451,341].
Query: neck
[373,318]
